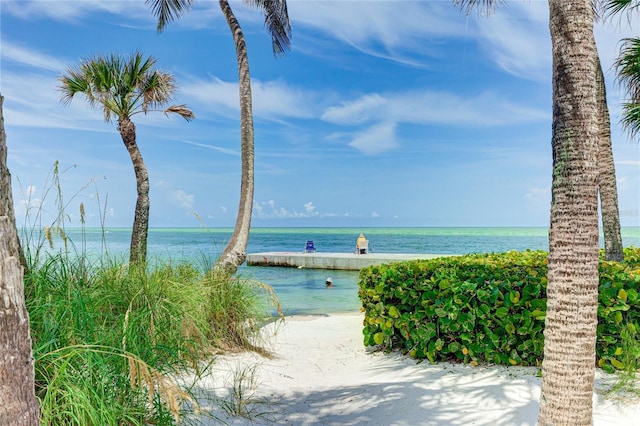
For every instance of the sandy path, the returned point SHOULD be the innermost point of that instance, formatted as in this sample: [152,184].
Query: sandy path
[322,375]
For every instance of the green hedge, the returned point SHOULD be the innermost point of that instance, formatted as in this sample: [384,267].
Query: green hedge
[488,308]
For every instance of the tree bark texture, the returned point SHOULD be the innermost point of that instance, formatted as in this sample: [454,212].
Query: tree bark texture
[607,187]
[235,252]
[140,230]
[6,195]
[18,403]
[568,367]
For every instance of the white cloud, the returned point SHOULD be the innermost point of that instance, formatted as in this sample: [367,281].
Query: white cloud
[526,51]
[74,11]
[309,207]
[28,204]
[271,100]
[32,58]
[373,26]
[433,107]
[357,111]
[211,147]
[270,210]
[388,110]
[177,197]
[376,139]
[182,198]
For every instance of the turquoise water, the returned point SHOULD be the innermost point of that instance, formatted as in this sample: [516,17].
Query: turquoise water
[302,291]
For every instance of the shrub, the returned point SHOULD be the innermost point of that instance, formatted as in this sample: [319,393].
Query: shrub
[487,308]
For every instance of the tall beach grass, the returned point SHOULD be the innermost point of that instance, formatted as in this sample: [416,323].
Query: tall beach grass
[110,341]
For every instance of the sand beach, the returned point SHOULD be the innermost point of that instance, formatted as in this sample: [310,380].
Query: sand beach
[321,374]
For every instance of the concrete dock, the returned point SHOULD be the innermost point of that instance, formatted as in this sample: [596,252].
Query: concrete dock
[344,261]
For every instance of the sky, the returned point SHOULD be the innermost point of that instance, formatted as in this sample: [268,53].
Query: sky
[383,113]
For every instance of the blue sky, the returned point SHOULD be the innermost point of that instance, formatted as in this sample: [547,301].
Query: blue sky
[384,113]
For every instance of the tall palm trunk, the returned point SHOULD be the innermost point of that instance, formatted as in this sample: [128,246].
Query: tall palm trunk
[568,367]
[18,403]
[138,249]
[607,187]
[6,196]
[235,252]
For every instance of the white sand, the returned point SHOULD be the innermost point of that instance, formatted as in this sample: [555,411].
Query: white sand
[323,375]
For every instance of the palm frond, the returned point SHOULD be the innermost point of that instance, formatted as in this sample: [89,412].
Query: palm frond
[483,7]
[276,20]
[181,110]
[120,86]
[631,118]
[628,67]
[613,7]
[168,11]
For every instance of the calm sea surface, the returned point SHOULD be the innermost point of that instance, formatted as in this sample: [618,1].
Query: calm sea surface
[302,291]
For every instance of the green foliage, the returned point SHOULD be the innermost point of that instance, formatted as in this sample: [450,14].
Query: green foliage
[488,308]
[106,338]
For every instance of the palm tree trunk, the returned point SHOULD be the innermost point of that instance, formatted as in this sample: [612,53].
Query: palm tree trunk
[568,367]
[18,403]
[235,252]
[6,196]
[607,187]
[138,249]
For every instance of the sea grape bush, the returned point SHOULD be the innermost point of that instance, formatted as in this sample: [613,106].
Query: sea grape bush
[488,308]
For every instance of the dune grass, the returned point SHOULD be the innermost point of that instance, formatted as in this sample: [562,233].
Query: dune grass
[108,339]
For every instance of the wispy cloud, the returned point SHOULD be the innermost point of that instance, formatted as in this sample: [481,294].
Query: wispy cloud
[424,107]
[374,28]
[178,197]
[22,55]
[432,107]
[212,147]
[526,51]
[72,11]
[376,139]
[271,99]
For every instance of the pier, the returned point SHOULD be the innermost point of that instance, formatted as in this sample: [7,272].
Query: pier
[344,261]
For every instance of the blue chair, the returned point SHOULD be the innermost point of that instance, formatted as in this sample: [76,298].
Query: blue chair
[310,247]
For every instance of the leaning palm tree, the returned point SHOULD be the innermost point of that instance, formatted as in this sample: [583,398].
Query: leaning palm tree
[568,367]
[607,186]
[123,87]
[277,23]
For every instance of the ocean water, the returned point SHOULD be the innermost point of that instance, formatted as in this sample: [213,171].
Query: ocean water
[302,291]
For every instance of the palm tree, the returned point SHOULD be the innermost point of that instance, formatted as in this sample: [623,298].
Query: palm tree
[18,402]
[607,186]
[277,23]
[6,197]
[123,87]
[568,366]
